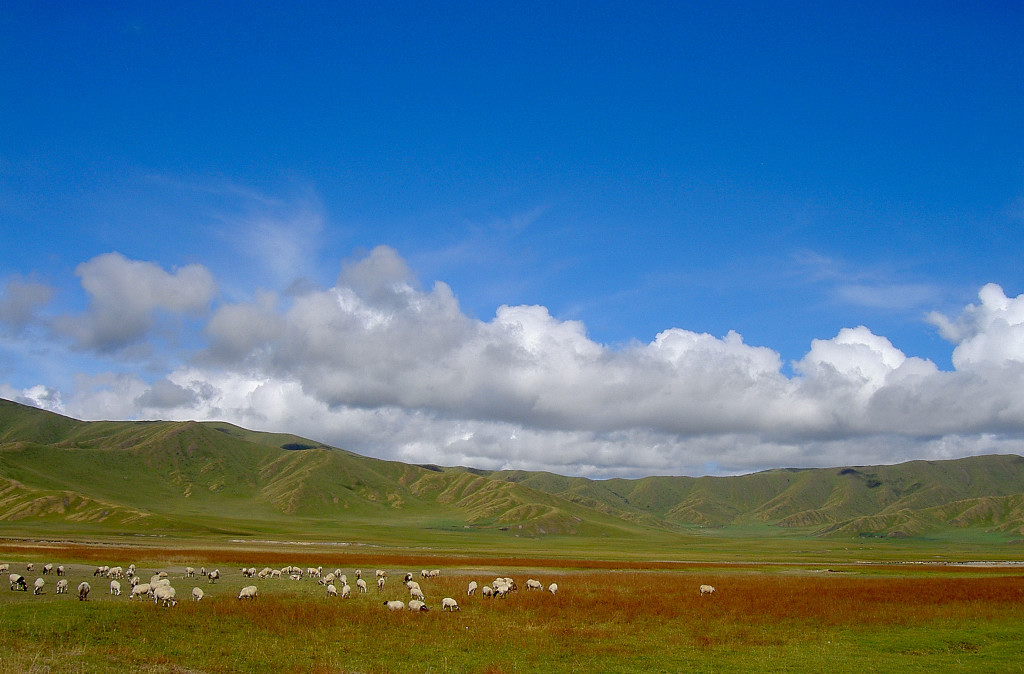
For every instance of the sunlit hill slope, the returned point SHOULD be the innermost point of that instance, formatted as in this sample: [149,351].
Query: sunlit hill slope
[62,475]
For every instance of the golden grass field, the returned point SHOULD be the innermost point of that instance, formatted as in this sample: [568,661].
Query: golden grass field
[606,616]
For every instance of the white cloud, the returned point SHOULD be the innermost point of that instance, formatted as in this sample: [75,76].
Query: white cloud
[125,297]
[21,302]
[380,366]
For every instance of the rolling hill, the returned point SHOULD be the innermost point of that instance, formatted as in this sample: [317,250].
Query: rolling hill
[143,478]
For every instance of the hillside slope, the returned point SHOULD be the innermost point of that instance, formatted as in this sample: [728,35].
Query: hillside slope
[213,477]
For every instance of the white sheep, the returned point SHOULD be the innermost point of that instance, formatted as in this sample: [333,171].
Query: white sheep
[501,590]
[30,566]
[380,583]
[416,605]
[346,591]
[141,590]
[62,586]
[248,592]
[450,604]
[532,584]
[4,568]
[331,590]
[115,572]
[83,591]
[130,570]
[197,594]
[487,591]
[115,588]
[412,584]
[135,581]
[416,593]
[101,571]
[213,575]
[706,589]
[190,572]
[165,596]
[424,573]
[381,573]
[37,587]
[361,584]
[395,605]
[61,571]
[18,582]
[434,573]
[47,568]
[472,588]
[553,588]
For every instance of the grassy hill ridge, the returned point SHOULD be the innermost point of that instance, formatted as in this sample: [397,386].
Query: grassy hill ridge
[213,477]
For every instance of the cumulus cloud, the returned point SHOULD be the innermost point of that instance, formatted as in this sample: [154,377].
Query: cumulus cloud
[126,296]
[20,303]
[382,366]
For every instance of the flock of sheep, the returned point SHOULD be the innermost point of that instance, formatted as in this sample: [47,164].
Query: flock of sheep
[335,583]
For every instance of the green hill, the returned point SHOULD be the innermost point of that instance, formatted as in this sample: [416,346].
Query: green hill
[200,478]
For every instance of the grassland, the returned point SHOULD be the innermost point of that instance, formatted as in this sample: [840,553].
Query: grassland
[639,616]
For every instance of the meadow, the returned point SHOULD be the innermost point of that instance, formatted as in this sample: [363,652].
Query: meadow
[608,616]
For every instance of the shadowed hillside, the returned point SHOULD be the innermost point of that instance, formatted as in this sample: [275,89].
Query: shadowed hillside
[213,477]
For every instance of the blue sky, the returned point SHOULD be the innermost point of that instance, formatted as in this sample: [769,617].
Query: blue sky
[778,185]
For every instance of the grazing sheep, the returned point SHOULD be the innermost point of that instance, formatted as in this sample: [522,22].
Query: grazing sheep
[163,582]
[501,590]
[197,594]
[141,590]
[248,592]
[47,568]
[165,596]
[381,573]
[115,572]
[115,588]
[275,573]
[416,605]
[162,574]
[412,584]
[61,571]
[408,577]
[359,574]
[361,584]
[424,573]
[4,568]
[706,589]
[328,579]
[434,573]
[130,571]
[416,593]
[135,581]
[101,571]
[553,588]
[214,575]
[487,591]
[395,605]
[202,571]
[190,572]
[30,566]
[380,584]
[532,584]
[331,590]
[154,579]
[471,589]
[346,591]
[450,604]
[83,591]
[62,586]
[18,582]
[37,587]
